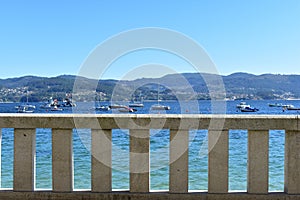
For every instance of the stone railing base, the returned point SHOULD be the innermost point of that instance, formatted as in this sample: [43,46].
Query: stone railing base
[40,195]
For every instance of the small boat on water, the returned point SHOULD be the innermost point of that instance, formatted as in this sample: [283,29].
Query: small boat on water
[102,108]
[116,106]
[249,109]
[242,105]
[50,103]
[127,110]
[55,108]
[291,107]
[45,106]
[160,107]
[287,106]
[68,103]
[25,109]
[275,104]
[136,104]
[54,102]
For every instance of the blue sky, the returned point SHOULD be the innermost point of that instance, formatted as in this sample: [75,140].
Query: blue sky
[50,38]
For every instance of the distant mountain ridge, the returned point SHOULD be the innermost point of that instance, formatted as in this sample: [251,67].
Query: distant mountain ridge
[187,86]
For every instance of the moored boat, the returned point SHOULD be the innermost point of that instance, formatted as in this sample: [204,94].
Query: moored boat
[242,105]
[127,110]
[275,104]
[136,104]
[116,106]
[26,109]
[68,103]
[55,108]
[45,106]
[288,106]
[291,107]
[160,107]
[102,108]
[249,109]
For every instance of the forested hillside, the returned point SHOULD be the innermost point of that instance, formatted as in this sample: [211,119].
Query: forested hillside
[171,87]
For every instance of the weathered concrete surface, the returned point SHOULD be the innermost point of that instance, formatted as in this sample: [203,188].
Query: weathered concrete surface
[0,152]
[218,161]
[62,160]
[258,162]
[24,153]
[101,173]
[147,121]
[179,146]
[9,195]
[292,162]
[139,160]
[139,126]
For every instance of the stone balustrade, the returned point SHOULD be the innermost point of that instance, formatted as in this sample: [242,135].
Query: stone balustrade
[139,126]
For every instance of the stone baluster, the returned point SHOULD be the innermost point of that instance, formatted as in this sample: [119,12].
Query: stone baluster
[101,160]
[217,161]
[139,160]
[0,156]
[24,157]
[62,160]
[292,162]
[179,141]
[258,162]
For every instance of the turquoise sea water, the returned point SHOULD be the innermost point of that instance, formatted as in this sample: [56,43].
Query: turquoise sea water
[159,155]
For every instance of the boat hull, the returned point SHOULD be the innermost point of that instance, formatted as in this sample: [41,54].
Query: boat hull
[159,107]
[114,106]
[249,110]
[293,108]
[136,105]
[103,108]
[127,110]
[25,109]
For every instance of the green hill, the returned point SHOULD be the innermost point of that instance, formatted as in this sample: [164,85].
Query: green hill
[174,86]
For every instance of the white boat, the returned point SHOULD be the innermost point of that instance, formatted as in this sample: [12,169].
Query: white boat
[291,107]
[102,108]
[137,101]
[45,106]
[242,105]
[50,103]
[275,104]
[25,109]
[54,103]
[116,106]
[68,102]
[136,104]
[249,109]
[127,110]
[55,108]
[287,106]
[160,107]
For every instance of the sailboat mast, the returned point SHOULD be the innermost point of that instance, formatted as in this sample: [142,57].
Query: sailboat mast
[26,97]
[157,93]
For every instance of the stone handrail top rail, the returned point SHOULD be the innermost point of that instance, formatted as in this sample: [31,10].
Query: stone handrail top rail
[151,121]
